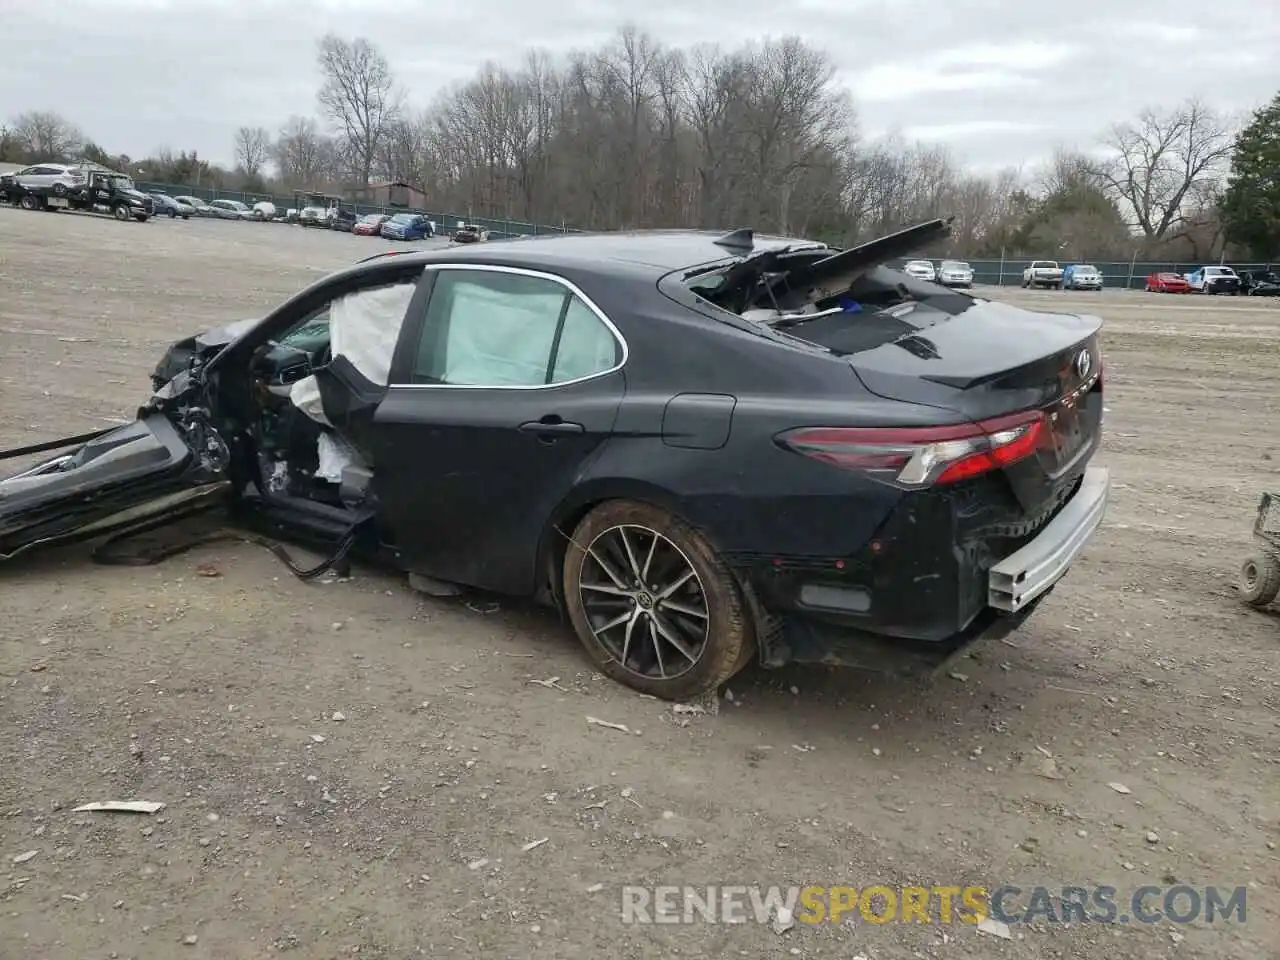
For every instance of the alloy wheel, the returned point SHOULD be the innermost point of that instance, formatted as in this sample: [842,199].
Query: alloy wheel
[644,602]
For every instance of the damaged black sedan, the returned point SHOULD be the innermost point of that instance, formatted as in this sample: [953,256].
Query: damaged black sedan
[704,450]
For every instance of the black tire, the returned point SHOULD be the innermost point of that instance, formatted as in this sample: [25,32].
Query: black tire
[1259,580]
[59,189]
[29,202]
[141,217]
[174,213]
[704,583]
[186,216]
[121,211]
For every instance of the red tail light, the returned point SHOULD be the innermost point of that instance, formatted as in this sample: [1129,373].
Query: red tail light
[923,456]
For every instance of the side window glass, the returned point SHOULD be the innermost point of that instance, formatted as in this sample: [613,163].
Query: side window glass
[586,345]
[496,329]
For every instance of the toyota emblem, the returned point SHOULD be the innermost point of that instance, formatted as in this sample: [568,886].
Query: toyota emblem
[1084,363]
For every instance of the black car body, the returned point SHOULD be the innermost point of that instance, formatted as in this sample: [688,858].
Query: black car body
[703,449]
[343,220]
[1259,283]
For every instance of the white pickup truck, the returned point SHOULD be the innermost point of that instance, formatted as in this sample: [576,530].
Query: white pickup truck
[1043,273]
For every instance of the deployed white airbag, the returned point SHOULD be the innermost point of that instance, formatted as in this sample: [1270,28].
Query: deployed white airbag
[364,328]
[305,395]
[335,453]
[498,340]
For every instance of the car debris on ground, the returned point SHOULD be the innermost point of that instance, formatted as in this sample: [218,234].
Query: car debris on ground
[121,806]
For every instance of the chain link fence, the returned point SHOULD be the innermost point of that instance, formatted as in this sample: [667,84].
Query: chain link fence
[447,222]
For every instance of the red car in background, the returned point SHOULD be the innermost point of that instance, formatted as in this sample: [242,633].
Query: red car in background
[1167,283]
[370,225]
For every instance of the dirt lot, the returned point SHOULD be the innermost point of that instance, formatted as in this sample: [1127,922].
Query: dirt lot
[400,830]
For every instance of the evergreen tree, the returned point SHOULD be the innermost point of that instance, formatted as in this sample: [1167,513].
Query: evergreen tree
[1251,206]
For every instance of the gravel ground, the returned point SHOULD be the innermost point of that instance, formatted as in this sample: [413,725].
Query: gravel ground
[400,826]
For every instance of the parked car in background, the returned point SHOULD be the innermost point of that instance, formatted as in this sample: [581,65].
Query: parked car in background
[312,216]
[343,220]
[58,178]
[171,207]
[201,207]
[1260,283]
[921,270]
[1167,283]
[231,210]
[1214,280]
[370,225]
[407,226]
[513,419]
[955,273]
[1081,276]
[1043,273]
[470,233]
[264,210]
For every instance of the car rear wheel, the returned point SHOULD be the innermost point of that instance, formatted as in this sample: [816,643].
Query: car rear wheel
[653,604]
[59,189]
[1259,579]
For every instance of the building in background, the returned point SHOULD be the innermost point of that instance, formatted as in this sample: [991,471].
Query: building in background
[390,193]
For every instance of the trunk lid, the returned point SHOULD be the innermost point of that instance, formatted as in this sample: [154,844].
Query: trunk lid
[985,361]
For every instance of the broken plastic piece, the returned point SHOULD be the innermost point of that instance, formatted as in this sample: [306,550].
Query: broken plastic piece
[121,806]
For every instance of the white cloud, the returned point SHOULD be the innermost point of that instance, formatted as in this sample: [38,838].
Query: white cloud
[971,128]
[136,74]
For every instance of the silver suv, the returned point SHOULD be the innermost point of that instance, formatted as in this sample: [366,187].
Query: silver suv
[59,177]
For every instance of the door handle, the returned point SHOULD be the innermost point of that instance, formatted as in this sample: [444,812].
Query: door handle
[551,426]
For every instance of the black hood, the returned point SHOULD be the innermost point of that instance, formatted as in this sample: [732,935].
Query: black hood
[203,345]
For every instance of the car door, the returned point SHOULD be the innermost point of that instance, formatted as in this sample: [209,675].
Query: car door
[39,177]
[504,385]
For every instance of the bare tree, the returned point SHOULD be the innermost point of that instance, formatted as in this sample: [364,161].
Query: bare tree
[1068,170]
[1161,159]
[45,135]
[253,150]
[302,154]
[358,93]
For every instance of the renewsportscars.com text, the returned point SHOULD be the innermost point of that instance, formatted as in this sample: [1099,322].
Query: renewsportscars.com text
[879,904]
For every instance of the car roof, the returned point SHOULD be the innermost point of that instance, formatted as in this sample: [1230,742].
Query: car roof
[663,250]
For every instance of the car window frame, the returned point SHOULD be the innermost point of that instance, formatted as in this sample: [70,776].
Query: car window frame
[406,353]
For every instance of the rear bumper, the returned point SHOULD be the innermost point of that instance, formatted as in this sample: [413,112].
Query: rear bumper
[1021,577]
[939,576]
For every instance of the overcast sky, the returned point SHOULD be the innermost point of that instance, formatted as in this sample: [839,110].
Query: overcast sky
[1001,83]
